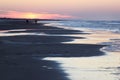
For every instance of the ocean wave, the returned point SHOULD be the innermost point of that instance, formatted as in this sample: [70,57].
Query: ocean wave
[113,26]
[113,46]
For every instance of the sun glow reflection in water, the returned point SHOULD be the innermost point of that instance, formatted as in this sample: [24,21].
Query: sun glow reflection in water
[91,68]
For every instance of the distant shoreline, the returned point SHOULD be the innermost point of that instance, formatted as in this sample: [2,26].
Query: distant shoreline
[31,19]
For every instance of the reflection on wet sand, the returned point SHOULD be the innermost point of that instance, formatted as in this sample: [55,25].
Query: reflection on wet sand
[91,68]
[106,67]
[95,37]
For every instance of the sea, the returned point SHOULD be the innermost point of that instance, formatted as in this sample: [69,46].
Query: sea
[105,67]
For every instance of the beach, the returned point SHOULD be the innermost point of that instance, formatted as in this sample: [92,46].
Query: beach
[24,48]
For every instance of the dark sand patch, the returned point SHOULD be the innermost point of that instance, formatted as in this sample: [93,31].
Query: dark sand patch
[52,50]
[37,39]
[27,68]
[50,31]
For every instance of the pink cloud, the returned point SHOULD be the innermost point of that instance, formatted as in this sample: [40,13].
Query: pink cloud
[15,14]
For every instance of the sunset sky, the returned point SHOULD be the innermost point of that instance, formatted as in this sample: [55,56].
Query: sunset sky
[68,9]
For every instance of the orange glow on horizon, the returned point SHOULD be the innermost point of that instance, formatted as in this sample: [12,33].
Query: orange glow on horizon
[30,15]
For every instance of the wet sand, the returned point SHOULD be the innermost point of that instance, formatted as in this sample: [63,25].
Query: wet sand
[21,56]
